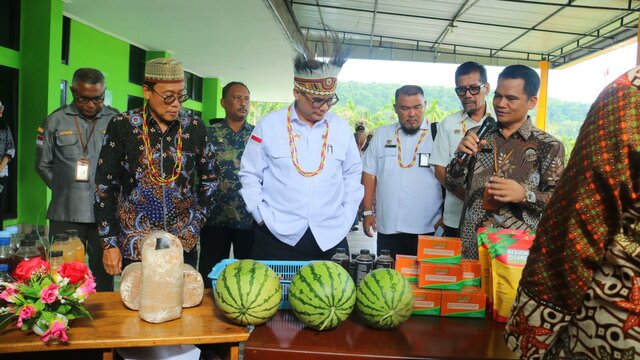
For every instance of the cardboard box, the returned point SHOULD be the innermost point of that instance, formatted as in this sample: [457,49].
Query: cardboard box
[426,301]
[440,276]
[407,265]
[471,272]
[470,302]
[440,250]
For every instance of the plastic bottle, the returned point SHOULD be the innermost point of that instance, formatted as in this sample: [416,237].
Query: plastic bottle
[384,261]
[6,253]
[76,244]
[364,265]
[26,251]
[55,260]
[15,239]
[61,242]
[41,242]
[341,258]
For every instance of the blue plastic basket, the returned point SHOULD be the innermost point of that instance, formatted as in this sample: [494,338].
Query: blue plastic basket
[284,269]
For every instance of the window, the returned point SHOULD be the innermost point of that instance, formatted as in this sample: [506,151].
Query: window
[193,85]
[137,58]
[63,92]
[10,24]
[66,37]
[134,102]
[9,79]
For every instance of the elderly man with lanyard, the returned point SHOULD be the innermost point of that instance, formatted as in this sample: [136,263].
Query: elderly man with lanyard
[67,147]
[300,171]
[143,182]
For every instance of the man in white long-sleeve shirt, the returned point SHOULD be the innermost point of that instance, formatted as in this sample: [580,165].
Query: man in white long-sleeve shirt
[300,171]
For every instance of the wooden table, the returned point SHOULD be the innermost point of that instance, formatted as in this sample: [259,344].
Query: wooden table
[421,337]
[114,325]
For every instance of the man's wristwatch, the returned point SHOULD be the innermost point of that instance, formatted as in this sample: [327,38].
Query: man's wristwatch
[530,196]
[366,213]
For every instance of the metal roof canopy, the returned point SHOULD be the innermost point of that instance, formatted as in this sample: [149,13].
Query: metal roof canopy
[492,32]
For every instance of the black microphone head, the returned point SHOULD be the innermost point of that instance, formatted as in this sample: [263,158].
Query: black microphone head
[488,125]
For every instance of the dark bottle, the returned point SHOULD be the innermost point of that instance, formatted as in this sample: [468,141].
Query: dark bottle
[341,258]
[364,265]
[352,266]
[384,261]
[26,251]
[6,253]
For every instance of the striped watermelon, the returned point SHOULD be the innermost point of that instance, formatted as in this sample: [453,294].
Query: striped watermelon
[384,299]
[322,295]
[248,292]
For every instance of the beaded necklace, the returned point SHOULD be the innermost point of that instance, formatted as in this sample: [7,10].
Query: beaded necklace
[294,149]
[154,174]
[415,152]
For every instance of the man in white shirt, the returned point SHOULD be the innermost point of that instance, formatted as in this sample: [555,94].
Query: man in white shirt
[300,171]
[397,172]
[472,88]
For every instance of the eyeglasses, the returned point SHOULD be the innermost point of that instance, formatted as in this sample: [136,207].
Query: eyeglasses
[474,89]
[320,102]
[85,99]
[168,100]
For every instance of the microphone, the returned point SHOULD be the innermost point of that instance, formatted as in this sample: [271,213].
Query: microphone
[488,125]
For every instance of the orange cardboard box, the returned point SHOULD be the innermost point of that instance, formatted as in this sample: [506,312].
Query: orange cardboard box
[426,301]
[407,265]
[440,276]
[440,250]
[470,302]
[471,272]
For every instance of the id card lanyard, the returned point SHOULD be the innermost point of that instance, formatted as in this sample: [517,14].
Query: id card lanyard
[82,164]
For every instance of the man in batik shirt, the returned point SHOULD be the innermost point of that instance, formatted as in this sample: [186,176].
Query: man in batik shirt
[579,296]
[229,222]
[144,179]
[517,163]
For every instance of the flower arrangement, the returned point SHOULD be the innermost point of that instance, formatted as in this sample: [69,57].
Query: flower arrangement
[45,302]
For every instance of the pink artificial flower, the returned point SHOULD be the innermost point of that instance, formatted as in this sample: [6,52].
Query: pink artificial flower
[49,294]
[9,295]
[25,313]
[57,330]
[87,288]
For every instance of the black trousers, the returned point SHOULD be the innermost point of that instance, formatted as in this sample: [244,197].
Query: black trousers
[215,244]
[267,247]
[400,243]
[3,199]
[88,233]
[451,231]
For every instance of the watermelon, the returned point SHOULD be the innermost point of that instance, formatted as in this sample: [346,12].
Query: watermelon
[248,292]
[384,299]
[322,295]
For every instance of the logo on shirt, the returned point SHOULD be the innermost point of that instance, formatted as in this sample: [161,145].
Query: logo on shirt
[256,139]
[39,137]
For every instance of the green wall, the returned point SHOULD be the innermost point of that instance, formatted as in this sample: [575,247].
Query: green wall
[41,71]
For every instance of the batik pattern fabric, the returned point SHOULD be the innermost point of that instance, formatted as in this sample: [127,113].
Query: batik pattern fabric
[529,156]
[229,210]
[579,297]
[129,205]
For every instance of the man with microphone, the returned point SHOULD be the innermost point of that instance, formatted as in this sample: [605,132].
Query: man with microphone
[508,171]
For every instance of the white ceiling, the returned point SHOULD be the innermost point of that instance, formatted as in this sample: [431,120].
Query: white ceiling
[235,40]
[252,40]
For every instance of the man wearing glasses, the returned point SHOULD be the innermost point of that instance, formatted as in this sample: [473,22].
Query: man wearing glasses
[472,89]
[300,171]
[511,173]
[67,147]
[397,173]
[146,167]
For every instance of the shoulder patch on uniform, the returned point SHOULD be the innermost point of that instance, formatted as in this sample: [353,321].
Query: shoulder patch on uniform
[256,139]
[40,130]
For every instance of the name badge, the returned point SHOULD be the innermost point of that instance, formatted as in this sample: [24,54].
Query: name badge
[82,170]
[424,160]
[390,146]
